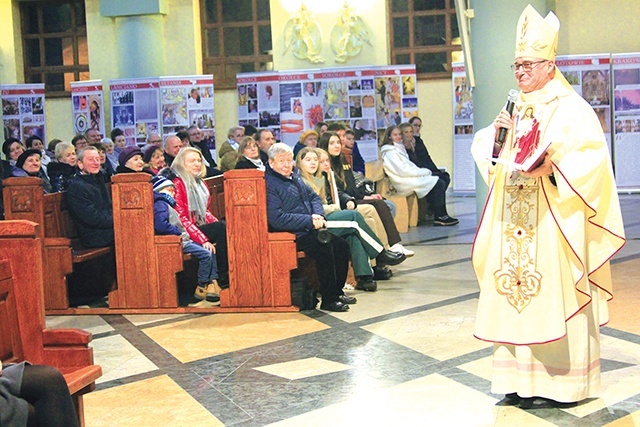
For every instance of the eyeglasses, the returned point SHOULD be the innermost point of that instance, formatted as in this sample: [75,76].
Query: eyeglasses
[526,66]
[415,125]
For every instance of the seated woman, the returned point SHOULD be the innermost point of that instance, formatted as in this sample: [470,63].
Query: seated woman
[348,224]
[330,142]
[408,178]
[130,160]
[293,206]
[153,160]
[11,148]
[307,139]
[65,168]
[36,143]
[28,164]
[35,395]
[192,204]
[249,155]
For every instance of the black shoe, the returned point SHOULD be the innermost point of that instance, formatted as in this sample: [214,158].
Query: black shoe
[390,258]
[334,306]
[366,283]
[445,220]
[381,273]
[346,299]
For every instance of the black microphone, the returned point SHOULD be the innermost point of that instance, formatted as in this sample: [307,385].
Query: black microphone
[511,102]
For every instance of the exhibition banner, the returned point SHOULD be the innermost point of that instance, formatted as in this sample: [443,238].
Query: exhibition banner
[135,107]
[464,170]
[87,106]
[23,112]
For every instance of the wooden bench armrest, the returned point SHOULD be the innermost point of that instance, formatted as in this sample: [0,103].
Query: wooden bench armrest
[82,255]
[57,241]
[80,378]
[167,239]
[65,337]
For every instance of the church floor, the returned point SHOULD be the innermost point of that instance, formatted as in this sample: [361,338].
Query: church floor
[403,356]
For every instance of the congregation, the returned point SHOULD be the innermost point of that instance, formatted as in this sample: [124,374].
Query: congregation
[316,190]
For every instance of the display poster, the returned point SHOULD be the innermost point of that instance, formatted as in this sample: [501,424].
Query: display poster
[626,116]
[464,169]
[87,106]
[348,95]
[23,111]
[187,101]
[589,77]
[135,108]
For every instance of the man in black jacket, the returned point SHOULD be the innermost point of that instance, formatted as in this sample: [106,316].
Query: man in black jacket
[89,202]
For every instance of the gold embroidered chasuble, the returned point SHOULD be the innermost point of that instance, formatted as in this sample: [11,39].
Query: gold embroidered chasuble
[542,251]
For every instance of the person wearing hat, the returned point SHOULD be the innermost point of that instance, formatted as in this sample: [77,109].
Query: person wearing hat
[130,160]
[308,138]
[543,245]
[28,164]
[153,159]
[167,221]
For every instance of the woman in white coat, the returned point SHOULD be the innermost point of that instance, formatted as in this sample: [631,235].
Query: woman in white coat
[408,178]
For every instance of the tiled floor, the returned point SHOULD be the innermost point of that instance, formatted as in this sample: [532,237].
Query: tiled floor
[403,356]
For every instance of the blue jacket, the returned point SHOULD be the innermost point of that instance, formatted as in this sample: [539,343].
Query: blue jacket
[161,222]
[290,203]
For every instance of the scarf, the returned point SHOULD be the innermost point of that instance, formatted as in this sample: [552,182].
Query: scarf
[197,196]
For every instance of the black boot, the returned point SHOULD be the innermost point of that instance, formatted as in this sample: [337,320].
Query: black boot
[366,283]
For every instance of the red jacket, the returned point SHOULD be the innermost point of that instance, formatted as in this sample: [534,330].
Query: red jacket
[188,219]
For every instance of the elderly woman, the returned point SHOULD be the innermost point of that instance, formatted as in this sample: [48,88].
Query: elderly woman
[62,171]
[153,159]
[408,178]
[28,164]
[130,160]
[36,143]
[249,155]
[349,223]
[192,204]
[307,139]
[293,206]
[345,181]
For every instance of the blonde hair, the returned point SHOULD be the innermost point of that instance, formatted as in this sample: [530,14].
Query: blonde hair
[61,147]
[309,178]
[179,168]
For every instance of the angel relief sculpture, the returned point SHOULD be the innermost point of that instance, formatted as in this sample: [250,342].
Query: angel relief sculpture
[348,34]
[303,36]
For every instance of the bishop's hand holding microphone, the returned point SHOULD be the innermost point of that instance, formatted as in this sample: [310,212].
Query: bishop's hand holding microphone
[504,121]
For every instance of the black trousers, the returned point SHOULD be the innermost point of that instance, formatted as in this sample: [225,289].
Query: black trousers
[436,198]
[387,220]
[332,263]
[216,232]
[47,396]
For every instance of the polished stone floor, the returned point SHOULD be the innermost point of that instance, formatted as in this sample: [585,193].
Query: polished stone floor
[403,356]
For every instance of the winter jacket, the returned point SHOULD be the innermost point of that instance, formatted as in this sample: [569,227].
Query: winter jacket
[188,219]
[404,175]
[228,157]
[60,175]
[291,203]
[90,207]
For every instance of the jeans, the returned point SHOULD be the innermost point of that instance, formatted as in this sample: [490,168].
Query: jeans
[207,265]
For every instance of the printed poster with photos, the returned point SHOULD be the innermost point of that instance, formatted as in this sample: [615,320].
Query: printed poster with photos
[88,106]
[259,100]
[23,111]
[187,101]
[589,77]
[307,97]
[626,116]
[135,107]
[464,168]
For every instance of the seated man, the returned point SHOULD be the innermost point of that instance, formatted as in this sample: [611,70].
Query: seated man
[172,145]
[89,202]
[228,151]
[293,206]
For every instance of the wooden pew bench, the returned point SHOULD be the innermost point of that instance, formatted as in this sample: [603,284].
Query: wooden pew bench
[24,199]
[23,335]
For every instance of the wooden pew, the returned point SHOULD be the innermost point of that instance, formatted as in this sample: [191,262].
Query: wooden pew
[260,262]
[24,199]
[23,335]
[215,185]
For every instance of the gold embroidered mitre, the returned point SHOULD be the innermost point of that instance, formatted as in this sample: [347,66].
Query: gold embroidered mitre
[537,37]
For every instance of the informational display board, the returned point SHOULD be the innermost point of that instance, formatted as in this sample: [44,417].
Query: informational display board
[23,111]
[464,170]
[367,99]
[626,116]
[87,106]
[187,101]
[589,77]
[135,107]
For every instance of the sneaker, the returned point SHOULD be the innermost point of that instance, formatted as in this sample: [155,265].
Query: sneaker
[399,248]
[200,293]
[445,220]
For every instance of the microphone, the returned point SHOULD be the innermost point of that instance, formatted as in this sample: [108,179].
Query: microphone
[511,102]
